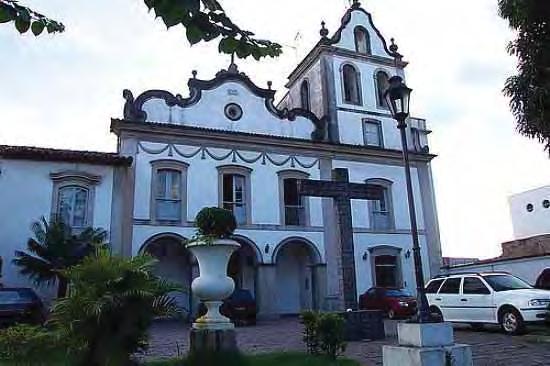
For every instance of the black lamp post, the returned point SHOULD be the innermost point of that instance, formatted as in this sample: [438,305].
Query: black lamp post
[397,98]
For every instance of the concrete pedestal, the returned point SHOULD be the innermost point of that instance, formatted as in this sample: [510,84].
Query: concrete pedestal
[205,341]
[427,345]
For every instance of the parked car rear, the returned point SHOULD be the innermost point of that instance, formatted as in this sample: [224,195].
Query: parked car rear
[20,305]
[396,303]
[240,307]
[487,298]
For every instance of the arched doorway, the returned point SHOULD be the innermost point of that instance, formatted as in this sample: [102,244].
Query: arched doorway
[174,265]
[296,279]
[243,265]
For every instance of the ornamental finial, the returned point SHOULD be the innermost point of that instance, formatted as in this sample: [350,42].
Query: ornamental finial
[393,47]
[269,84]
[356,4]
[233,68]
[194,73]
[324,31]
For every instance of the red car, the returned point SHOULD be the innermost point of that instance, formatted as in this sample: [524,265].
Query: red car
[396,303]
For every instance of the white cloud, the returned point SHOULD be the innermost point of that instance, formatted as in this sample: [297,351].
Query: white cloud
[62,90]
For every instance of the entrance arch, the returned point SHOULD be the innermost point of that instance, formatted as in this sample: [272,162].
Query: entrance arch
[243,265]
[175,264]
[296,280]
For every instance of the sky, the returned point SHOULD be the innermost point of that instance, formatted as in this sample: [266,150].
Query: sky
[61,90]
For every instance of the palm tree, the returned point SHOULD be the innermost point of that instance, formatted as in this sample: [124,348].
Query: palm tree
[113,302]
[54,248]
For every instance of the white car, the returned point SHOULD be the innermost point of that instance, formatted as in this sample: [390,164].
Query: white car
[487,298]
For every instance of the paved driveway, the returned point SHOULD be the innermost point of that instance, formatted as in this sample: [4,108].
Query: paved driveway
[490,347]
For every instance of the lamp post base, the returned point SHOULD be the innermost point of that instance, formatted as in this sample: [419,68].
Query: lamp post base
[424,344]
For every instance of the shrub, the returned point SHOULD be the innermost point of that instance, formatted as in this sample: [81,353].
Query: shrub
[215,222]
[310,319]
[112,304]
[330,330]
[324,332]
[31,345]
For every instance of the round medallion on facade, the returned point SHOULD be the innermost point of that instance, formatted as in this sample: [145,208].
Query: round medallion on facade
[530,207]
[546,204]
[233,111]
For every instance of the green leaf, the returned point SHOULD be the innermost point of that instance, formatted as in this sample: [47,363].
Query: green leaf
[37,27]
[192,5]
[22,25]
[228,45]
[7,14]
[194,34]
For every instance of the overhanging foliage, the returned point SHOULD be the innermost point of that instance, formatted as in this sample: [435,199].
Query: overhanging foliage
[529,90]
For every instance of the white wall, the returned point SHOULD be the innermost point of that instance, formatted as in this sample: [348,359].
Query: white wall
[347,40]
[359,172]
[209,113]
[533,223]
[202,180]
[314,77]
[26,195]
[527,269]
[364,241]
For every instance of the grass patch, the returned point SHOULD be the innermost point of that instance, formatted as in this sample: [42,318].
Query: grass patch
[271,359]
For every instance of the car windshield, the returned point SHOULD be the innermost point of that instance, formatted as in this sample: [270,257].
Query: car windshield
[506,283]
[398,293]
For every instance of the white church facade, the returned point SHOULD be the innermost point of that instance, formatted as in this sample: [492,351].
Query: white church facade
[229,145]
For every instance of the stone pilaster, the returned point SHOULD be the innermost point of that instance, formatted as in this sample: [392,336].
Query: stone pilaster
[266,297]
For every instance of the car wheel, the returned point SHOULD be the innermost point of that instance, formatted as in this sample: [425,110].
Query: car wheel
[511,321]
[391,314]
[436,314]
[477,326]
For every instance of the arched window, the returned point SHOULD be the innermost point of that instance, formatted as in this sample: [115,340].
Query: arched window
[382,84]
[73,198]
[304,95]
[72,206]
[362,41]
[352,87]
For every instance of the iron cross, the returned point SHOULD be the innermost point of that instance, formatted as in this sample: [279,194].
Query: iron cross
[342,191]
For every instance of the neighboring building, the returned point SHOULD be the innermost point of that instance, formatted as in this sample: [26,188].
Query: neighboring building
[529,254]
[530,212]
[228,145]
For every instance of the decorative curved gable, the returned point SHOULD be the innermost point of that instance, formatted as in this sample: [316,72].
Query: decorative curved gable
[344,36]
[230,101]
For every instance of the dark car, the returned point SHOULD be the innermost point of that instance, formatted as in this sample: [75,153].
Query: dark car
[396,303]
[240,307]
[20,305]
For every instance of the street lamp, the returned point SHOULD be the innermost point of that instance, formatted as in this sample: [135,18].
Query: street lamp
[397,98]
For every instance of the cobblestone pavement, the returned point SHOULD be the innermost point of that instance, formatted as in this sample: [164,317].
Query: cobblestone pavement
[490,347]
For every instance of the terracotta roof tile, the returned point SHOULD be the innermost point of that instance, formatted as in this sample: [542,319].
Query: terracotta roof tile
[47,154]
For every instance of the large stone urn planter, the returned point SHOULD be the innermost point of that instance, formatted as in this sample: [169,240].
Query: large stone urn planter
[213,285]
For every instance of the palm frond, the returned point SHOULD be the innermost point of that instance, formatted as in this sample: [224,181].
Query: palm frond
[37,269]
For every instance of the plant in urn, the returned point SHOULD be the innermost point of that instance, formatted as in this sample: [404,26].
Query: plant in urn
[213,248]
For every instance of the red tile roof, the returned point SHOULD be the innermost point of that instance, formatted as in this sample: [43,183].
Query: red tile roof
[76,156]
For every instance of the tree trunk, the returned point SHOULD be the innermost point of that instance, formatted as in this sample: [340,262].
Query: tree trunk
[61,287]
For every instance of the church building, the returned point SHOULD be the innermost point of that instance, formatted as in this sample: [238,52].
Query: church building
[228,143]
